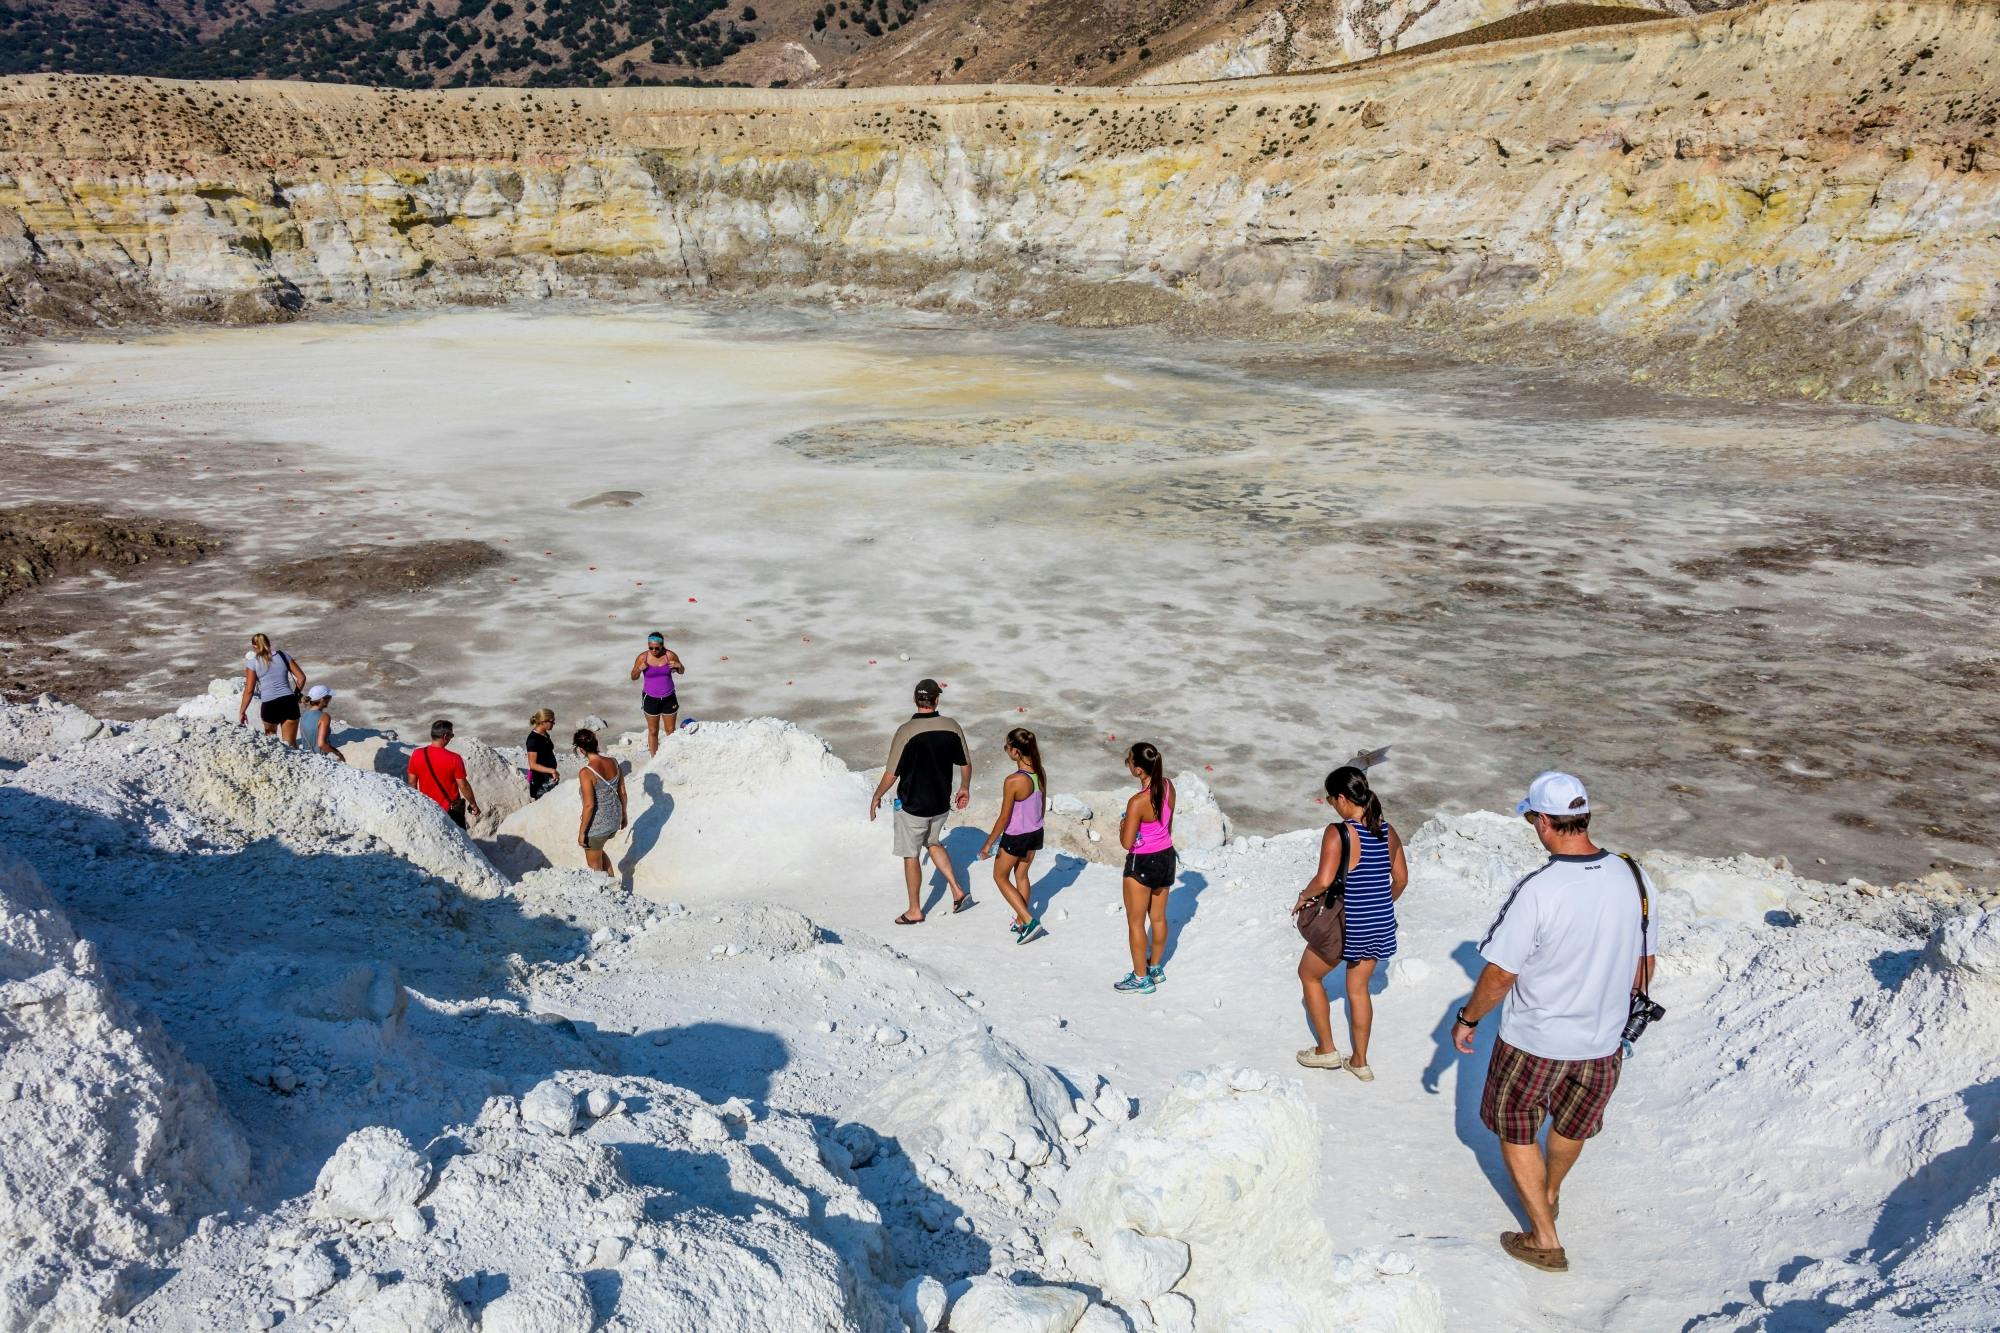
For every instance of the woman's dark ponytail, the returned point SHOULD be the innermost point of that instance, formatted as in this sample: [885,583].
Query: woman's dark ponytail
[1145,756]
[1351,783]
[1022,742]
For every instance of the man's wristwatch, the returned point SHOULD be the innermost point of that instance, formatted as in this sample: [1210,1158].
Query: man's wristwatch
[1465,1022]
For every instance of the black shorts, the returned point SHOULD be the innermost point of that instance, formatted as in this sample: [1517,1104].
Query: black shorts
[540,785]
[1155,870]
[1020,844]
[275,711]
[660,707]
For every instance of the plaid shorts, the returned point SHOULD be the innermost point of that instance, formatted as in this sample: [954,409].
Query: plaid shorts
[1521,1089]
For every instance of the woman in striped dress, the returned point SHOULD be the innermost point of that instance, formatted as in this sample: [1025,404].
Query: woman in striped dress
[1375,875]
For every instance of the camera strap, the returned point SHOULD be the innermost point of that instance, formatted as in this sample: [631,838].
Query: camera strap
[1645,906]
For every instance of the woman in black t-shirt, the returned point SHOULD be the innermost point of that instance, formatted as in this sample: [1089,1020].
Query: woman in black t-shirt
[543,775]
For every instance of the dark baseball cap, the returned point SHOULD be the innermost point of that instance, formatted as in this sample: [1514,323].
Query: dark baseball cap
[928,690]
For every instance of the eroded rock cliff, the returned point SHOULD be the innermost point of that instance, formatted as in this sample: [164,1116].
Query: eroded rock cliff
[1795,197]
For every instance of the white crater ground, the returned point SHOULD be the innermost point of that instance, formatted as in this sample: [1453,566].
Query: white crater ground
[1753,628]
[282,1048]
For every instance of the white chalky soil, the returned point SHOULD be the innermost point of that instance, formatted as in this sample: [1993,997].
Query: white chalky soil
[664,1104]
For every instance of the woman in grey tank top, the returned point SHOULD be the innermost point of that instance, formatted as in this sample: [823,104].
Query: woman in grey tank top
[602,785]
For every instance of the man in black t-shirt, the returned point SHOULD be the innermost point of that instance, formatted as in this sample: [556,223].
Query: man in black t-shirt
[921,758]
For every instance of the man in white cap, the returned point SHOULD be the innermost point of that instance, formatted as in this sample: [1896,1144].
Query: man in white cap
[1566,954]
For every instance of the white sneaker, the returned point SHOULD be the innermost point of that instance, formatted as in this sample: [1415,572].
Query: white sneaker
[1312,1059]
[1362,1072]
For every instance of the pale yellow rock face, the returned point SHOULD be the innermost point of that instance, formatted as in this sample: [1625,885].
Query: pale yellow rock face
[1796,198]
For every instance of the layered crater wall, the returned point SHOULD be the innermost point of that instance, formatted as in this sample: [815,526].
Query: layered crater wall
[1793,198]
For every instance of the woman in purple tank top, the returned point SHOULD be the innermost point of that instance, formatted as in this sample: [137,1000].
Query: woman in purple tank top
[1018,830]
[1147,834]
[657,667]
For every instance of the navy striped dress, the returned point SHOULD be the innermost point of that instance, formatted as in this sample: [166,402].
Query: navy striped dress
[1371,915]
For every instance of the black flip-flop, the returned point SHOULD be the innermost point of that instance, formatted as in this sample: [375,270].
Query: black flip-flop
[907,920]
[961,904]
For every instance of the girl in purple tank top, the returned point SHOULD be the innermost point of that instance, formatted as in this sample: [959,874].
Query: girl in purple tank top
[1018,830]
[1147,835]
[657,667]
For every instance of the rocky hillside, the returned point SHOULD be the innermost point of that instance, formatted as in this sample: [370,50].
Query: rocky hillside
[1796,198]
[396,43]
[599,43]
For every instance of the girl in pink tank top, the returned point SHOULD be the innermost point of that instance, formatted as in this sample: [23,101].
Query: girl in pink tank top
[1147,835]
[1018,831]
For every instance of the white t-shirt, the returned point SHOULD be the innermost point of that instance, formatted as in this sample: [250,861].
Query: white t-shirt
[1570,933]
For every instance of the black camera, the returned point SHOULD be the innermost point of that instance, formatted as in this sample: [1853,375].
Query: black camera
[1644,1012]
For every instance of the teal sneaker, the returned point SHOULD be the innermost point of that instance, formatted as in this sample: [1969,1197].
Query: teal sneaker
[1157,974]
[1032,931]
[1134,984]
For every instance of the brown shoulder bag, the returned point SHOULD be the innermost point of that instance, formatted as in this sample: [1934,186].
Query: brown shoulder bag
[1323,921]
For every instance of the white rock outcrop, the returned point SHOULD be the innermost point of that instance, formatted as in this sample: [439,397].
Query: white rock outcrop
[311,1273]
[44,726]
[552,1108]
[411,1307]
[974,1086]
[699,812]
[923,1303]
[1086,825]
[374,1175]
[173,783]
[1227,1164]
[995,1305]
[114,1145]
[1140,1268]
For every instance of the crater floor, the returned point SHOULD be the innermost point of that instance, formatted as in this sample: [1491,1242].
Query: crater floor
[1763,629]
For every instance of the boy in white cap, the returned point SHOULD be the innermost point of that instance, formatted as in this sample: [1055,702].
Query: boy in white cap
[1566,954]
[316,722]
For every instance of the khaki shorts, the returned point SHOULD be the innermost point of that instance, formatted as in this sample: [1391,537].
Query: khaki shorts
[916,832]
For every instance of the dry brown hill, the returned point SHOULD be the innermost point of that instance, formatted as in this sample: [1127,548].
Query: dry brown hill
[582,43]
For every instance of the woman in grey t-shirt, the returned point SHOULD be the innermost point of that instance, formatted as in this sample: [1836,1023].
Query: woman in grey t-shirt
[274,679]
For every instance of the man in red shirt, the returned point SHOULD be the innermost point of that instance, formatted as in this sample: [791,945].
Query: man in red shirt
[439,774]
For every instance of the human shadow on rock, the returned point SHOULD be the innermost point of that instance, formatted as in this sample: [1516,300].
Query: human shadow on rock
[645,832]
